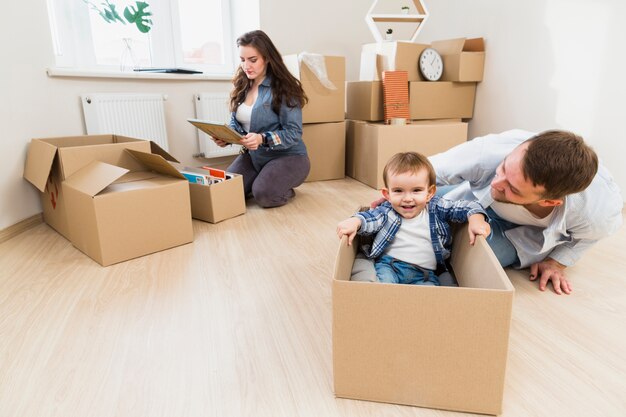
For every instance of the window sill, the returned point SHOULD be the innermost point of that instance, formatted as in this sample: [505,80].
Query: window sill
[70,72]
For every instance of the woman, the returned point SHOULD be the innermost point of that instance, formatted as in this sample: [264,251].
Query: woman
[266,107]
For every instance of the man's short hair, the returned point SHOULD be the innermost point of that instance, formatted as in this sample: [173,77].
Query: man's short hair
[561,162]
[412,162]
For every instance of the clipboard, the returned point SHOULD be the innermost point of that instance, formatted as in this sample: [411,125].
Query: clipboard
[218,131]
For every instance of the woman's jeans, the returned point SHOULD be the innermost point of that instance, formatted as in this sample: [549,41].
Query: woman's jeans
[392,271]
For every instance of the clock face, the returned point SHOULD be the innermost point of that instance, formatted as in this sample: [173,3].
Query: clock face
[431,64]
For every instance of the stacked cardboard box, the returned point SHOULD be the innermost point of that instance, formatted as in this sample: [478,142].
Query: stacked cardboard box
[438,105]
[323,117]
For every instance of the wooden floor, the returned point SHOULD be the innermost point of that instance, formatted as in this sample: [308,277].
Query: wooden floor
[238,323]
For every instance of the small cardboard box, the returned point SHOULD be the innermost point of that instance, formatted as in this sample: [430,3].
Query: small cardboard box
[441,100]
[51,160]
[463,59]
[325,105]
[370,145]
[326,146]
[216,202]
[436,347]
[115,214]
[390,56]
[364,100]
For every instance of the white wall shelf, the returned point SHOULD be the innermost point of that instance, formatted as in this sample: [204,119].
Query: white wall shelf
[418,15]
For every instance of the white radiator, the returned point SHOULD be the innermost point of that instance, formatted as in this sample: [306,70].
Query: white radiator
[139,116]
[213,107]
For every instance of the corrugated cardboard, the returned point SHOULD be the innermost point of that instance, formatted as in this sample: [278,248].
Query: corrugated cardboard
[364,100]
[115,214]
[50,161]
[441,100]
[390,56]
[436,347]
[326,146]
[370,145]
[463,59]
[325,105]
[216,202]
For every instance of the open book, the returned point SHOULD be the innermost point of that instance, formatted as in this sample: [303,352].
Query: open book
[217,130]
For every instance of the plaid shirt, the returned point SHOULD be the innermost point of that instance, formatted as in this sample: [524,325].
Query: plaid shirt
[385,222]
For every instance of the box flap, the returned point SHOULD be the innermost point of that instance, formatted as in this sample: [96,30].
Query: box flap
[474,45]
[156,149]
[95,177]
[156,163]
[39,163]
[449,46]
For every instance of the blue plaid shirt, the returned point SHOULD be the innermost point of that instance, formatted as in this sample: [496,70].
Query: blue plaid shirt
[385,222]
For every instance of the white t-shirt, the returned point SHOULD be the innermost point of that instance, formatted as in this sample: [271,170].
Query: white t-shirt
[412,242]
[519,215]
[244,116]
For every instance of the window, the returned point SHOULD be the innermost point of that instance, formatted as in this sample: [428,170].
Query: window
[194,34]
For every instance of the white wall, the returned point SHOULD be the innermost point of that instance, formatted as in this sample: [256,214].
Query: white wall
[536,76]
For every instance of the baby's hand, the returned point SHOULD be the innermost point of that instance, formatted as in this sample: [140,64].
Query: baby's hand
[477,226]
[349,228]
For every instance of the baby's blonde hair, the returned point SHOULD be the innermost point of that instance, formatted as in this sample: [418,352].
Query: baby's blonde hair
[412,162]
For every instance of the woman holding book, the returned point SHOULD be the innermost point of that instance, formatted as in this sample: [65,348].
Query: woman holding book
[266,108]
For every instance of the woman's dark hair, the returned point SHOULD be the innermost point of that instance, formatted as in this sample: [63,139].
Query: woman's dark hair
[285,87]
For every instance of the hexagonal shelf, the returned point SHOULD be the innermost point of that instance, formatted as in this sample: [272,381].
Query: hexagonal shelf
[417,14]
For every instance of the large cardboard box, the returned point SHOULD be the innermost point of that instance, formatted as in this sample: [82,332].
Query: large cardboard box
[326,146]
[115,213]
[216,202]
[370,145]
[325,104]
[436,347]
[463,59]
[441,100]
[390,56]
[50,161]
[364,100]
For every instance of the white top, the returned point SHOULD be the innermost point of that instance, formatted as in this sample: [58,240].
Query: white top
[244,116]
[412,242]
[519,215]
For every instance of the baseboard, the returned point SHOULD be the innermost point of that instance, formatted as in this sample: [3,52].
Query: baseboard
[24,225]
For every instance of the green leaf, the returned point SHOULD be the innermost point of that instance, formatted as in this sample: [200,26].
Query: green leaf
[139,16]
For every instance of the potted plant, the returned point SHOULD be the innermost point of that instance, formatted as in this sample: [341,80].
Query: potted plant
[405,9]
[389,34]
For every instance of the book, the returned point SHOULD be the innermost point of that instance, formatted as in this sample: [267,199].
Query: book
[169,70]
[217,130]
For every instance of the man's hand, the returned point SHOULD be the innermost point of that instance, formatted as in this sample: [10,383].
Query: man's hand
[220,142]
[378,202]
[550,270]
[349,227]
[252,141]
[477,226]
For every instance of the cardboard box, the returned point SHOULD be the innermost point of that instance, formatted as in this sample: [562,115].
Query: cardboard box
[463,59]
[220,201]
[325,105]
[364,100]
[115,213]
[50,161]
[390,56]
[370,145]
[436,347]
[441,100]
[326,146]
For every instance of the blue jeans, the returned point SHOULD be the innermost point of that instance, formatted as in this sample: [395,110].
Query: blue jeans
[393,271]
[499,243]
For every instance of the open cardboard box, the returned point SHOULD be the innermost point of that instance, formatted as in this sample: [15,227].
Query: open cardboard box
[370,145]
[325,105]
[112,196]
[436,347]
[326,147]
[463,59]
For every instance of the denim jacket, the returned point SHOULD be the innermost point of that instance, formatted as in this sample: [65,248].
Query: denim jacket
[385,223]
[282,133]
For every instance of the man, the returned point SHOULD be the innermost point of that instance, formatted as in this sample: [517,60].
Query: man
[547,196]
